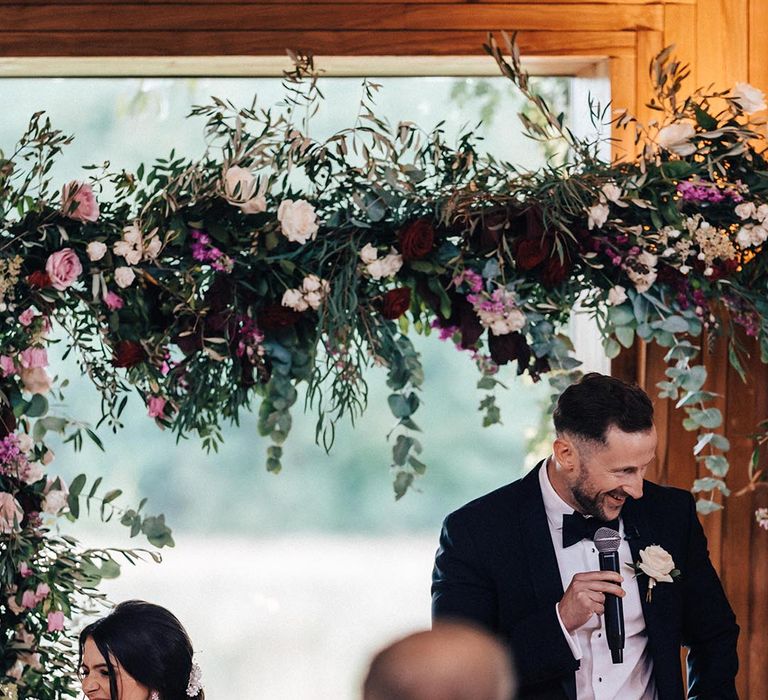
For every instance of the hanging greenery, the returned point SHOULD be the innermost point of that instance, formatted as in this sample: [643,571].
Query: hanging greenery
[218,285]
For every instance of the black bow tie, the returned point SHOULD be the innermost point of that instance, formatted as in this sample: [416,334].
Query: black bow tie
[577,528]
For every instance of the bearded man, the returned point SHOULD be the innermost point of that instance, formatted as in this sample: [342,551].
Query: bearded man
[521,562]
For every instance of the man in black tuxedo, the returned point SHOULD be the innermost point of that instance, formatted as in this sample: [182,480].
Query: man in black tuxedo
[520,561]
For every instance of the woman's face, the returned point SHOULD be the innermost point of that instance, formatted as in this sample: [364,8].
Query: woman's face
[94,676]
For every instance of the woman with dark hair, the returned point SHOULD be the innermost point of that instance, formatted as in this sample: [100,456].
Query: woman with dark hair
[139,651]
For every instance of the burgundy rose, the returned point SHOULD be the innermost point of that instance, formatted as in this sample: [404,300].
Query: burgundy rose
[395,302]
[555,271]
[128,353]
[274,316]
[509,347]
[416,239]
[39,279]
[530,252]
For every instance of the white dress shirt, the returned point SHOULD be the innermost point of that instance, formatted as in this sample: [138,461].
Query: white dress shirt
[598,678]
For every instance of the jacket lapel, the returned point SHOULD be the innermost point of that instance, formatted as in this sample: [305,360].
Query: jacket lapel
[540,553]
[537,542]
[639,534]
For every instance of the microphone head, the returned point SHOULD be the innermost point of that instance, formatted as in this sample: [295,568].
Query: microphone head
[607,540]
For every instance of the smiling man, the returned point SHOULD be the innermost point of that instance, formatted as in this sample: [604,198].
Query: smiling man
[521,561]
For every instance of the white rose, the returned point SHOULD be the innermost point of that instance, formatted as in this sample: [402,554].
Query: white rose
[96,250]
[598,215]
[124,276]
[745,210]
[642,282]
[33,473]
[35,380]
[298,220]
[617,295]
[239,185]
[368,254]
[762,213]
[657,563]
[294,299]
[677,138]
[744,236]
[759,234]
[748,97]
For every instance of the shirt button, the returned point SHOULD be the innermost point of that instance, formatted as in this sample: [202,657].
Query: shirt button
[599,634]
[599,680]
[593,550]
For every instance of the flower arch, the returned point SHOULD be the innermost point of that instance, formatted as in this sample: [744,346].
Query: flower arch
[214,285]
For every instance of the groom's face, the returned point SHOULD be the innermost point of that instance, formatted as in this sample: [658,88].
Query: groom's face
[605,475]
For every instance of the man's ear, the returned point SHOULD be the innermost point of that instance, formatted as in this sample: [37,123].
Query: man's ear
[565,454]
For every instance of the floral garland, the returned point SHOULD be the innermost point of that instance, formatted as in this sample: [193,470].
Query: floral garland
[277,260]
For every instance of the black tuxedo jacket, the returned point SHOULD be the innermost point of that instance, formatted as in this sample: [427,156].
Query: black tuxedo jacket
[496,566]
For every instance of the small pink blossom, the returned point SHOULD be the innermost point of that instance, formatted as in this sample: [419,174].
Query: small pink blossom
[36,380]
[113,301]
[26,317]
[11,514]
[79,202]
[28,600]
[56,621]
[42,591]
[34,357]
[24,570]
[63,267]
[156,406]
[7,366]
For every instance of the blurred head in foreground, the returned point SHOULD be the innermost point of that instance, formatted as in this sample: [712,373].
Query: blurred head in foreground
[453,661]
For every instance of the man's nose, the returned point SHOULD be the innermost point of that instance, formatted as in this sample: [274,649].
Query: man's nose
[634,486]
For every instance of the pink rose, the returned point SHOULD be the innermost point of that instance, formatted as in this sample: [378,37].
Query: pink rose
[26,317]
[63,267]
[11,514]
[79,202]
[34,357]
[28,600]
[56,621]
[7,366]
[36,380]
[113,301]
[24,570]
[96,250]
[43,589]
[156,406]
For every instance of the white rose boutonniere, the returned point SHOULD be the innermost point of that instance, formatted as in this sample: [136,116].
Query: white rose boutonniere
[657,564]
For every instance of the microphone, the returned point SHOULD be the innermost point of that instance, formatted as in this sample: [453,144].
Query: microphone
[607,542]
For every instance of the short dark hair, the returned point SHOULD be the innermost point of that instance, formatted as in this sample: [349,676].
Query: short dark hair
[151,645]
[597,402]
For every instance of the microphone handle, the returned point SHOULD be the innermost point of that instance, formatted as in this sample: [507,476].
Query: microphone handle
[614,611]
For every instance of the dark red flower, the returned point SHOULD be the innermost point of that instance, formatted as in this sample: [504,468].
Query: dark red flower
[555,272]
[395,302]
[128,353]
[416,239]
[274,316]
[39,279]
[530,252]
[508,347]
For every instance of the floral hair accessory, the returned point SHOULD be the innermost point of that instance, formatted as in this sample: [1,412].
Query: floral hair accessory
[195,684]
[657,564]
